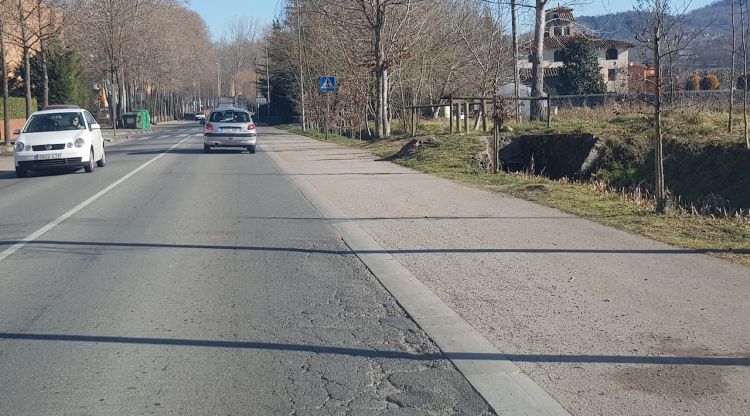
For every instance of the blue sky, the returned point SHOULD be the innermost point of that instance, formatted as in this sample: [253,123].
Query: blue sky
[597,7]
[216,13]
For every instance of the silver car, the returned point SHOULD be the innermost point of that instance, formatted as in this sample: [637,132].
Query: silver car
[229,127]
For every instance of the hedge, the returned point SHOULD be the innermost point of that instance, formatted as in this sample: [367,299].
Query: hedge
[17,107]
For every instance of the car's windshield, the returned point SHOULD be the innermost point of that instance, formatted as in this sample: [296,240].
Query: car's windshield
[230,116]
[54,122]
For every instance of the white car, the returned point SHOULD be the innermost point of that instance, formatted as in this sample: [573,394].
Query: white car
[59,137]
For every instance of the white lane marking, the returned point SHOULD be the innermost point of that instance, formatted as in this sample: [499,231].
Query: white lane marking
[38,233]
[144,138]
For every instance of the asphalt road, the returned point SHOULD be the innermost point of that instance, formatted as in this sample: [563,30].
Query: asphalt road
[198,284]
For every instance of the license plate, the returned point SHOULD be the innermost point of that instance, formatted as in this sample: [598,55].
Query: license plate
[49,156]
[230,129]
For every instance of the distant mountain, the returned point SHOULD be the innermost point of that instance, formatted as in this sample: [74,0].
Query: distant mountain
[710,50]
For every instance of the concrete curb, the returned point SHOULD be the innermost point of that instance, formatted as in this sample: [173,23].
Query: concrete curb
[498,380]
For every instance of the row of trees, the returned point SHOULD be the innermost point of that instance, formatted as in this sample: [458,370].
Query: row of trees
[144,53]
[389,53]
[386,54]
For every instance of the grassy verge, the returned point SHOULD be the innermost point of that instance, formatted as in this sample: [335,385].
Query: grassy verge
[450,156]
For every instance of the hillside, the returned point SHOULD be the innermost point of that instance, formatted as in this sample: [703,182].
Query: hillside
[710,50]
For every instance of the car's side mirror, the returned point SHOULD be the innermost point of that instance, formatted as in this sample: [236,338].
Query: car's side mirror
[17,132]
[96,126]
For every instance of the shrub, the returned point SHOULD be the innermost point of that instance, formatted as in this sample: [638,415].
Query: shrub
[17,107]
[693,83]
[710,82]
[741,82]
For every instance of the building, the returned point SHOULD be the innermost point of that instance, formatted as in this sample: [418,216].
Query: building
[640,79]
[560,25]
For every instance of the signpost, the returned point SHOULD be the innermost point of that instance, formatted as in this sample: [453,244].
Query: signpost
[328,85]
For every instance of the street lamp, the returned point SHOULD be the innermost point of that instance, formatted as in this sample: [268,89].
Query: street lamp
[218,77]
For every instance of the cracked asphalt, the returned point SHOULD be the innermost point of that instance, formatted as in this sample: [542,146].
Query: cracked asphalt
[197,286]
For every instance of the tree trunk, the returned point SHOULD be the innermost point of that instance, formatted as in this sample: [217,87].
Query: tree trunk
[386,107]
[660,188]
[301,70]
[43,54]
[6,111]
[382,129]
[731,78]
[516,71]
[537,71]
[26,54]
[744,73]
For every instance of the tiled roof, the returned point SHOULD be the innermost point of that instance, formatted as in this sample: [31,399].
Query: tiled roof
[548,73]
[555,42]
[563,13]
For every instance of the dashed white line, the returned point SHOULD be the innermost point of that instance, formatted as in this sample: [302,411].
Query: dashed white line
[38,233]
[144,138]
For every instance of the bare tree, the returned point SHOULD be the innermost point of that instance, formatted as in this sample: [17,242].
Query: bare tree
[240,40]
[6,112]
[25,40]
[537,55]
[660,31]
[732,76]
[744,30]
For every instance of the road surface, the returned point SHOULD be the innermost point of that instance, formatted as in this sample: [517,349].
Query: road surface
[177,282]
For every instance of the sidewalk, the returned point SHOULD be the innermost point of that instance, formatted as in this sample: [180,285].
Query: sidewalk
[605,321]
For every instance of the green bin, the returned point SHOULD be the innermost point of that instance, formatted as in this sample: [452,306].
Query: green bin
[143,119]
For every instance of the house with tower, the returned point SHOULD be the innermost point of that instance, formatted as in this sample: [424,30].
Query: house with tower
[560,25]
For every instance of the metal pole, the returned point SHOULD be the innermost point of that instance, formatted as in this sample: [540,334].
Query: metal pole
[413,122]
[450,114]
[466,117]
[268,86]
[218,79]
[328,112]
[113,108]
[549,111]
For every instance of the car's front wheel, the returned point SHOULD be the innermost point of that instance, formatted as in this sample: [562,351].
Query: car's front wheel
[21,172]
[90,165]
[103,161]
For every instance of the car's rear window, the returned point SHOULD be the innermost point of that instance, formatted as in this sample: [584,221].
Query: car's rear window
[54,122]
[230,116]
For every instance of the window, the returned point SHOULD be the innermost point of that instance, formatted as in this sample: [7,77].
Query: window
[558,56]
[611,53]
[558,31]
[54,122]
[612,74]
[230,116]
[89,118]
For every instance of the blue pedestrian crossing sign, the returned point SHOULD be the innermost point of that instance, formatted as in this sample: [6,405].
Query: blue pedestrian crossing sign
[327,84]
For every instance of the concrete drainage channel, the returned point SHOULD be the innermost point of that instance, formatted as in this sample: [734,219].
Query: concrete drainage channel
[500,382]
[554,155]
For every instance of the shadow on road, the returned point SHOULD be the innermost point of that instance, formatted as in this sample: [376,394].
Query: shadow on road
[97,244]
[362,352]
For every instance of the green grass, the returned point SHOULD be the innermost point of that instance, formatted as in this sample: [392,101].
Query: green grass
[451,157]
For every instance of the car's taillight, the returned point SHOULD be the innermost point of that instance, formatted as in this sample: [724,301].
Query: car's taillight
[209,127]
[251,126]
